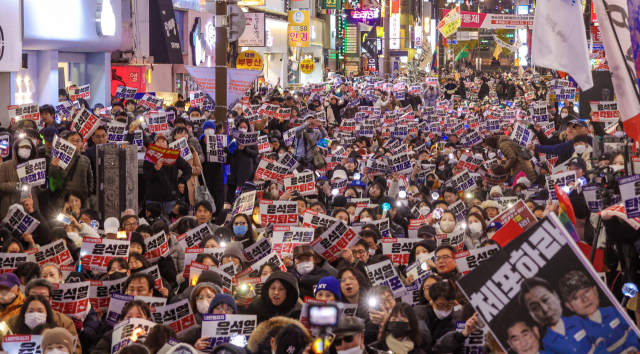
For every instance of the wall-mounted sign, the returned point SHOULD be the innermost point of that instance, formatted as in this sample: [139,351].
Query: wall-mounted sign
[299,28]
[368,17]
[394,41]
[254,32]
[164,37]
[329,4]
[307,66]
[197,41]
[249,59]
[417,36]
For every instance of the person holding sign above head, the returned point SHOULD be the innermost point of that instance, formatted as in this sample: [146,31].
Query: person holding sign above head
[78,175]
[163,184]
[241,163]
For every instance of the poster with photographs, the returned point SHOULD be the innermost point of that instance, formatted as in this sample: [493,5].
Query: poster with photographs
[539,294]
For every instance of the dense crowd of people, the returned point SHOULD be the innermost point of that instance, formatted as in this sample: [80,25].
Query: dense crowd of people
[436,162]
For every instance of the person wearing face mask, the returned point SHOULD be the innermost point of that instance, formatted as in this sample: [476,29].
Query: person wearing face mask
[220,304]
[35,311]
[10,192]
[400,333]
[57,341]
[202,297]
[581,148]
[243,230]
[306,271]
[241,163]
[350,337]
[420,252]
[475,231]
[447,222]
[213,171]
[11,298]
[432,182]
[439,313]
[305,143]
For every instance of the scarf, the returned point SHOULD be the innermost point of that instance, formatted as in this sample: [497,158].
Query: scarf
[398,347]
[451,274]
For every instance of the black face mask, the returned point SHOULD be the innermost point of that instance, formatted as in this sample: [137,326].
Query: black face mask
[133,271]
[398,329]
[430,183]
[117,275]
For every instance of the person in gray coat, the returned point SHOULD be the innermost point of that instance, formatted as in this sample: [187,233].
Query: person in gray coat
[430,96]
[304,149]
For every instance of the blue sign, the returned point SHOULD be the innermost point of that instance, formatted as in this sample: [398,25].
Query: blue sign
[448,41]
[454,41]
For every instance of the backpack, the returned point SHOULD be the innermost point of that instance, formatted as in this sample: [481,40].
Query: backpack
[523,152]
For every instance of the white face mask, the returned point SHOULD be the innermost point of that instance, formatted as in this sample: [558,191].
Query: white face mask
[618,134]
[580,149]
[492,155]
[372,252]
[6,297]
[442,314]
[366,219]
[304,268]
[447,226]
[564,115]
[441,168]
[354,350]
[203,306]
[56,351]
[475,228]
[210,131]
[281,156]
[244,130]
[35,318]
[423,257]
[425,210]
[24,153]
[616,168]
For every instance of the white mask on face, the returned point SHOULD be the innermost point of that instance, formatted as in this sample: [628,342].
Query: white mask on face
[423,257]
[56,351]
[372,252]
[304,268]
[35,318]
[580,149]
[447,226]
[616,168]
[618,134]
[425,210]
[24,153]
[442,314]
[203,306]
[210,131]
[281,156]
[475,228]
[366,219]
[564,115]
[354,350]
[244,130]
[441,168]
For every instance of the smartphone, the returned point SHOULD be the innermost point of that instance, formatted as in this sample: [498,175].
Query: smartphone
[323,315]
[64,219]
[25,191]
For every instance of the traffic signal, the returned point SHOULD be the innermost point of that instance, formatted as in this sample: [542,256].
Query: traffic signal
[509,35]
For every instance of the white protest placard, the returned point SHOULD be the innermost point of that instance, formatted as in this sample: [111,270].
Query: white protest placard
[97,252]
[273,259]
[150,102]
[215,148]
[157,122]
[278,212]
[420,268]
[286,238]
[55,252]
[116,131]
[71,299]
[455,239]
[313,219]
[248,138]
[10,261]
[271,170]
[539,112]
[154,272]
[64,108]
[157,246]
[507,202]
[29,111]
[125,93]
[338,237]
[467,260]
[193,237]
[413,294]
[257,251]
[263,144]
[190,254]
[384,226]
[63,150]
[32,172]
[80,92]
[289,161]
[85,123]
[560,179]
[138,139]
[22,343]
[469,162]
[629,193]
[100,292]
[384,273]
[606,112]
[181,144]
[463,182]
[222,328]
[122,332]
[521,135]
[197,268]
[244,203]
[398,249]
[196,98]
[178,315]
[19,222]
[288,137]
[305,183]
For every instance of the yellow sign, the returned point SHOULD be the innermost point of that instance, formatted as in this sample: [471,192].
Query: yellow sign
[299,28]
[249,59]
[450,23]
[307,66]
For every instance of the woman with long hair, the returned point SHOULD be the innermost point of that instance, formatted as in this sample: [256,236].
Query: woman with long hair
[400,332]
[35,311]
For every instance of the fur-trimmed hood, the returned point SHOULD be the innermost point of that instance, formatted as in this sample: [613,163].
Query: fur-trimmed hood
[270,328]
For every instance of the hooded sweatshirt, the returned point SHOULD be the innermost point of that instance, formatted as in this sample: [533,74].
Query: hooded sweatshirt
[264,308]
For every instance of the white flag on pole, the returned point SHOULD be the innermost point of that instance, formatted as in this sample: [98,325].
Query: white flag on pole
[621,66]
[559,40]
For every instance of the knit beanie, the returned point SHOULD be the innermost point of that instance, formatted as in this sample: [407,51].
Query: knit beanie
[58,336]
[227,299]
[139,239]
[496,189]
[234,249]
[331,284]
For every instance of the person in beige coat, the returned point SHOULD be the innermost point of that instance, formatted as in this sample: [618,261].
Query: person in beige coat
[10,193]
[196,166]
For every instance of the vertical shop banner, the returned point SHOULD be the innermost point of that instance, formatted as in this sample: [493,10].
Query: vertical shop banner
[71,299]
[394,41]
[239,81]
[63,150]
[19,223]
[97,252]
[80,92]
[541,283]
[254,32]
[299,28]
[329,4]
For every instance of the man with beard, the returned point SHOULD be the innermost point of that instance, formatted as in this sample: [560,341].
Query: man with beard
[524,337]
[564,334]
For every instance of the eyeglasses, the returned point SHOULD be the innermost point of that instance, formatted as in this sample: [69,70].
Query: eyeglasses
[344,280]
[358,252]
[74,141]
[131,224]
[444,307]
[443,258]
[346,339]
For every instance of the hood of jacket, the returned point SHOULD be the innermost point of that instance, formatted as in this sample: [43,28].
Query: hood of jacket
[436,183]
[215,288]
[34,151]
[290,282]
[427,244]
[270,328]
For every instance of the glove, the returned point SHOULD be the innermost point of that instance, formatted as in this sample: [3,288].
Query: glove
[78,323]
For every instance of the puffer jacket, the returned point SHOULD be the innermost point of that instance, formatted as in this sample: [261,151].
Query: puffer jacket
[260,340]
[9,181]
[82,180]
[515,163]
[265,309]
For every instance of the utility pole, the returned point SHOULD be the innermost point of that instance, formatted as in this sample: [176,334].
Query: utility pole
[222,24]
[387,35]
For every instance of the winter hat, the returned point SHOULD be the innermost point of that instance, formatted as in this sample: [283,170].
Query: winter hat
[518,176]
[496,189]
[139,239]
[329,283]
[340,201]
[523,180]
[427,230]
[211,277]
[291,340]
[209,125]
[227,299]
[234,249]
[491,204]
[202,284]
[49,133]
[494,225]
[58,336]
[339,174]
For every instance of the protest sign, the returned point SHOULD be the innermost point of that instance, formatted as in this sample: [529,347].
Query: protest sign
[125,93]
[420,268]
[190,254]
[156,246]
[400,163]
[560,179]
[338,237]
[459,209]
[30,111]
[197,268]
[313,219]
[383,273]
[183,147]
[150,102]
[263,144]
[249,138]
[521,135]
[215,148]
[63,150]
[286,238]
[474,343]
[157,122]
[278,212]
[384,226]
[193,237]
[22,343]
[64,108]
[196,98]
[544,266]
[71,299]
[124,331]
[76,92]
[154,271]
[606,112]
[97,252]
[137,138]
[178,315]
[32,172]
[116,131]
[455,239]
[244,203]
[630,195]
[10,261]
[304,183]
[463,182]
[257,251]
[398,249]
[518,212]
[469,162]
[100,292]
[224,328]
[5,145]
[85,123]
[271,170]
[273,259]
[156,154]
[55,252]
[289,161]
[539,112]
[19,223]
[467,260]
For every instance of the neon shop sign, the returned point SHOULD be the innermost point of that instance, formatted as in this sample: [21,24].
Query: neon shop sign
[365,14]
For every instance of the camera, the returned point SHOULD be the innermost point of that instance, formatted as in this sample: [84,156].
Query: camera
[324,315]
